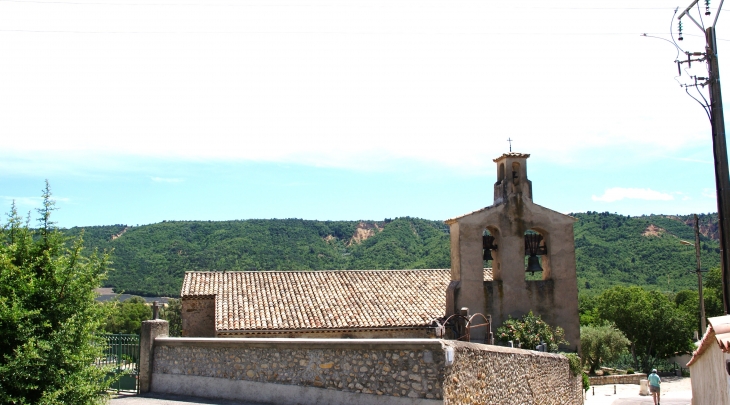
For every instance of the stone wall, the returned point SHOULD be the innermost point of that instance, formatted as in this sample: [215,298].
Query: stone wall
[360,371]
[411,369]
[198,317]
[499,375]
[618,379]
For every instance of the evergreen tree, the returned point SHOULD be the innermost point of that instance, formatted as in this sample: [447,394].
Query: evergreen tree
[48,317]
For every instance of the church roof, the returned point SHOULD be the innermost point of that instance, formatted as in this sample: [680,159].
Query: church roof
[273,301]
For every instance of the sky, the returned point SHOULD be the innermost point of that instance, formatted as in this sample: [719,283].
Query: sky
[142,111]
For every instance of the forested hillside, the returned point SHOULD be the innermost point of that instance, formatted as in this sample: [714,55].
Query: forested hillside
[610,249]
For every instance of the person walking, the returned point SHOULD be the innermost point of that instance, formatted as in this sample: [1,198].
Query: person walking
[654,383]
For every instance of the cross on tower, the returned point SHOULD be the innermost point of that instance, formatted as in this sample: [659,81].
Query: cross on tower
[510,144]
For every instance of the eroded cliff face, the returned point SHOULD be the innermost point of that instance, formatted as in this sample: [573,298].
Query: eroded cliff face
[364,231]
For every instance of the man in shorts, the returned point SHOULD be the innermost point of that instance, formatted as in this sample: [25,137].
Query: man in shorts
[654,382]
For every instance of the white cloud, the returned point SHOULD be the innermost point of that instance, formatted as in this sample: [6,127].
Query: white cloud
[620,193]
[166,180]
[355,84]
[709,193]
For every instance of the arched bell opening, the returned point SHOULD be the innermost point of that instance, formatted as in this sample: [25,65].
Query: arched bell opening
[536,250]
[490,248]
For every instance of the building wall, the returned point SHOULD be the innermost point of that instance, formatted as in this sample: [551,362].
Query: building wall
[198,317]
[360,371]
[555,297]
[484,374]
[710,381]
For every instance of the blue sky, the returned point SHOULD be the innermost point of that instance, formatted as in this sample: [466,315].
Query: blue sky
[180,110]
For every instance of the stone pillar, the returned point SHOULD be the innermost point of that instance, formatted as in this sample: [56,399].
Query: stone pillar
[150,330]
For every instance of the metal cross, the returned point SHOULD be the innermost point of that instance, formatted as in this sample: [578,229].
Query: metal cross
[510,144]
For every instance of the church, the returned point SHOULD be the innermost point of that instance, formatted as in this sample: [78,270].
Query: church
[507,259]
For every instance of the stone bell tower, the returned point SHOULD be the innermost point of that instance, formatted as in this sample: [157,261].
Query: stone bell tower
[507,232]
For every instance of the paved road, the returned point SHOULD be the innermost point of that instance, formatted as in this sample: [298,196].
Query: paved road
[163,399]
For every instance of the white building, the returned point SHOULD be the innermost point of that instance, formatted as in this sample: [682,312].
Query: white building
[710,364]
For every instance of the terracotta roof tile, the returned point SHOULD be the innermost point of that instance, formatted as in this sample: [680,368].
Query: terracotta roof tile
[295,300]
[718,332]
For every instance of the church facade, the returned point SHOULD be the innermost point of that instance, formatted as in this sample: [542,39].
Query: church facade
[411,303]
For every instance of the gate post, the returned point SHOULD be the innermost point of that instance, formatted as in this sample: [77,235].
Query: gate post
[150,330]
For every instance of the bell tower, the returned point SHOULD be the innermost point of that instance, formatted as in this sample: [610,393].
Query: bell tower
[503,236]
[511,177]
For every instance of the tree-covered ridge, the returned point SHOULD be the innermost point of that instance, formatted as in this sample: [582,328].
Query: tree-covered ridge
[151,259]
[611,249]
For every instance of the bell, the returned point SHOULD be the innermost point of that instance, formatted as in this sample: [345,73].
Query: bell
[533,264]
[488,254]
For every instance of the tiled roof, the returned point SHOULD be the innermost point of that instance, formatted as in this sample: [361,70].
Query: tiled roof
[512,154]
[718,332]
[340,299]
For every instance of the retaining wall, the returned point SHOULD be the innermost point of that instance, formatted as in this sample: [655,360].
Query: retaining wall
[617,379]
[500,375]
[358,371]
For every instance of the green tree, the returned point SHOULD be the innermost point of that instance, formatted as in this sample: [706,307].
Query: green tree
[653,324]
[588,310]
[172,313]
[127,316]
[712,292]
[600,344]
[530,331]
[48,316]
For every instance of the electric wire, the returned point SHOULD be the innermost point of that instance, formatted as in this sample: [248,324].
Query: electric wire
[671,33]
[704,107]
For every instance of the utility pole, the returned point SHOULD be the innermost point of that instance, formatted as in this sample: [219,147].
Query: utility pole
[722,177]
[719,148]
[703,321]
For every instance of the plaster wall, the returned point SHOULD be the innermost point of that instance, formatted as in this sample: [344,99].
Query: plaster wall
[198,317]
[710,381]
[555,297]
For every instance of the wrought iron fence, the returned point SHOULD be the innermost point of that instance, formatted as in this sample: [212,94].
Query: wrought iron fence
[121,352]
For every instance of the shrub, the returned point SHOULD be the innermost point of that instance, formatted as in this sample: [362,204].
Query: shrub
[531,330]
[574,362]
[630,371]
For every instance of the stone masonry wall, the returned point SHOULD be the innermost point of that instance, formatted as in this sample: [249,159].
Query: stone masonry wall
[360,366]
[499,375]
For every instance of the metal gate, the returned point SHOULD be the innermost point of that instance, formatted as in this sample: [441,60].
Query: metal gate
[122,352]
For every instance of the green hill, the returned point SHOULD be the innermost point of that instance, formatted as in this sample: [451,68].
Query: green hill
[610,249]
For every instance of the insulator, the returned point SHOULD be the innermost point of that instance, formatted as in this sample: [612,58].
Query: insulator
[707,7]
[679,28]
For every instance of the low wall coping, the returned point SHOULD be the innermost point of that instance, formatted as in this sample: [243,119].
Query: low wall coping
[500,349]
[304,343]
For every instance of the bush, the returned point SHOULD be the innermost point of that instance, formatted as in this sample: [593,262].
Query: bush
[630,371]
[531,330]
[586,382]
[574,362]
